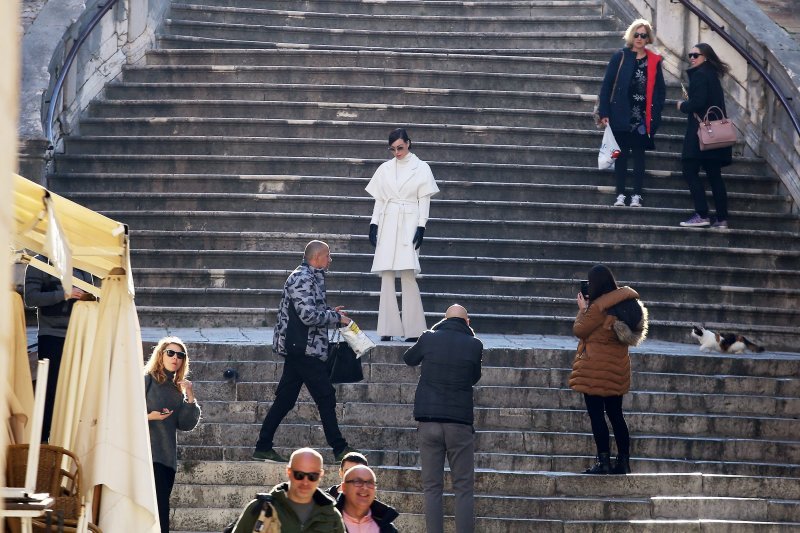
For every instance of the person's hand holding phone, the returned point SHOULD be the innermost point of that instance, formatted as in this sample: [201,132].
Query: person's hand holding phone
[159,415]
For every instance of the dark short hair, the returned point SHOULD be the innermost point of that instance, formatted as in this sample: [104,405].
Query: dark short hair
[399,133]
[354,457]
[601,281]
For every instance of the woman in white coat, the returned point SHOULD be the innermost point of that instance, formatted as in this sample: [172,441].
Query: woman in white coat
[402,188]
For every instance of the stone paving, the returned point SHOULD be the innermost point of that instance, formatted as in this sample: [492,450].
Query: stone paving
[263,336]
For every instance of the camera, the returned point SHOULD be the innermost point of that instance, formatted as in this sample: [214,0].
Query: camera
[585,288]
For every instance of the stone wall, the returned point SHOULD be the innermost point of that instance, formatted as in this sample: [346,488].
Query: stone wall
[30,10]
[767,129]
[121,38]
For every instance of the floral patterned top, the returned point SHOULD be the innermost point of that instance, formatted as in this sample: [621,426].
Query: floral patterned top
[638,96]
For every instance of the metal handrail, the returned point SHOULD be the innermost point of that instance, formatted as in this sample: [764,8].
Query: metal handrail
[51,109]
[749,58]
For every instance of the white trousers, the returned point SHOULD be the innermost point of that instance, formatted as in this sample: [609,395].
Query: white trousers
[389,321]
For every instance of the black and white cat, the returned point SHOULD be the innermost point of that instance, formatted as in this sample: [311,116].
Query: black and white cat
[723,342]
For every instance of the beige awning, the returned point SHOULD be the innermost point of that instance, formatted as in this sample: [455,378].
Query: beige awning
[93,242]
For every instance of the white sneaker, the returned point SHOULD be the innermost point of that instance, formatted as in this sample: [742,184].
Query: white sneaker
[636,201]
[620,200]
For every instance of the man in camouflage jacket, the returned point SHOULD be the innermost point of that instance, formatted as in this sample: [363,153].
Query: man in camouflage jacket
[301,337]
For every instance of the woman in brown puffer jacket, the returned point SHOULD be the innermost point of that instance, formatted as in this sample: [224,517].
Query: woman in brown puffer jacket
[610,319]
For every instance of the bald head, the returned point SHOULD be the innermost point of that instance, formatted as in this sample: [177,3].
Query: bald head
[317,254]
[456,311]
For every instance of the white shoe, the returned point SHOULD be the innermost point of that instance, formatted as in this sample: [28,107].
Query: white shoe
[620,201]
[636,201]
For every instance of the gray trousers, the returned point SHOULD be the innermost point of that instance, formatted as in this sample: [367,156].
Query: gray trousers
[457,441]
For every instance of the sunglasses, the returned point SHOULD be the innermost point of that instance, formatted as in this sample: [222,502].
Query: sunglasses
[362,483]
[173,353]
[637,35]
[300,476]
[694,55]
[394,149]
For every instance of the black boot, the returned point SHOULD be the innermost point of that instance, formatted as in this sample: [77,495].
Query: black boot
[622,465]
[602,466]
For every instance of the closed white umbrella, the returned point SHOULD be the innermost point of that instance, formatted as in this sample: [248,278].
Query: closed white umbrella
[19,393]
[76,363]
[112,440]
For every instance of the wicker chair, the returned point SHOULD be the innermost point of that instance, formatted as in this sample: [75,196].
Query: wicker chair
[59,474]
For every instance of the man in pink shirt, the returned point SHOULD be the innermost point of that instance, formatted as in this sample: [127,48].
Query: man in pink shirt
[358,506]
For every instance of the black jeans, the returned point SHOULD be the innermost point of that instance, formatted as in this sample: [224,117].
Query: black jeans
[631,146]
[691,173]
[313,373]
[50,347]
[165,479]
[612,405]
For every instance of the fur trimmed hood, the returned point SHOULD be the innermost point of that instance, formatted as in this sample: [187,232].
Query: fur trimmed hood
[633,336]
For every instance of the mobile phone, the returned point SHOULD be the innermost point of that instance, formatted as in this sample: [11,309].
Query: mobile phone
[585,288]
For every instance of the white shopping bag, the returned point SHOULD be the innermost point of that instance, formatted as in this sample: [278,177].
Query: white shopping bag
[356,338]
[609,151]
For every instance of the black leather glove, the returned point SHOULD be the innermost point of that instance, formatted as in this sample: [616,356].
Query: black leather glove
[373,234]
[418,237]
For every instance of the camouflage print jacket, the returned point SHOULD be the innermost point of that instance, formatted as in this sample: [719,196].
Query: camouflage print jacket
[305,289]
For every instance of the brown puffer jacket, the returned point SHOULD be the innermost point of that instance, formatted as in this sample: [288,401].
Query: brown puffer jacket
[602,366]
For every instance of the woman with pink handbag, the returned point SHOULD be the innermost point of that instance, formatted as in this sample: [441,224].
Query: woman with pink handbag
[705,92]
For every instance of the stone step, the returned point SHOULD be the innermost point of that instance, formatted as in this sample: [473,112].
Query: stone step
[431,38]
[516,462]
[565,228]
[520,210]
[502,139]
[388,372]
[217,316]
[501,286]
[353,253]
[580,171]
[581,61]
[428,7]
[549,184]
[650,357]
[555,397]
[504,418]
[506,441]
[563,306]
[144,155]
[568,83]
[255,474]
[387,20]
[289,127]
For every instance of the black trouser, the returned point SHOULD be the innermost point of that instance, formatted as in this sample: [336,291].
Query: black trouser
[691,173]
[612,405]
[165,479]
[313,373]
[50,347]
[631,146]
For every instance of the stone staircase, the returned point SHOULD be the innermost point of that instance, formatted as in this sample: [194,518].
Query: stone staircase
[714,441]
[255,127]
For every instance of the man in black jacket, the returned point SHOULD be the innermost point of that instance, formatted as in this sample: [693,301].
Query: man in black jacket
[450,355]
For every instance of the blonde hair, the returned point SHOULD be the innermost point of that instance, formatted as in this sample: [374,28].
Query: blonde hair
[155,365]
[635,25]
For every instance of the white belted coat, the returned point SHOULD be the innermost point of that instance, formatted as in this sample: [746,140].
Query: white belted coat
[402,190]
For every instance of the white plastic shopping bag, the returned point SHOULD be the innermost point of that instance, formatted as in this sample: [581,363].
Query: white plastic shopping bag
[609,150]
[356,338]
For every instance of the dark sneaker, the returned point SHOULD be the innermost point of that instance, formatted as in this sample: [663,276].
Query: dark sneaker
[696,222]
[341,454]
[270,456]
[386,338]
[720,224]
[412,339]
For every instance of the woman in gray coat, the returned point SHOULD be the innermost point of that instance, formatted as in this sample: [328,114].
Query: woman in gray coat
[171,406]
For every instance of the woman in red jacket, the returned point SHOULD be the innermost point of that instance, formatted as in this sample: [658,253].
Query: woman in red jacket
[609,320]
